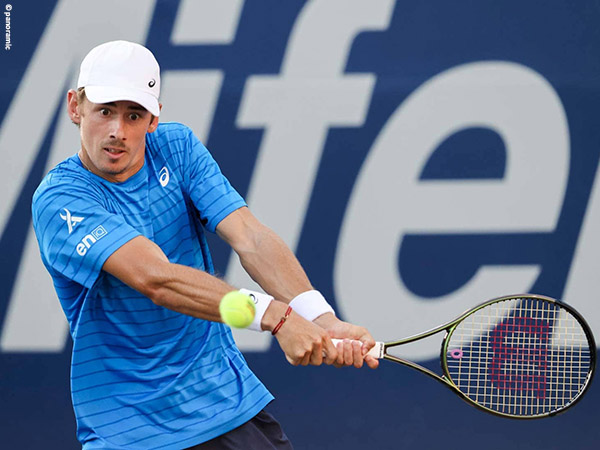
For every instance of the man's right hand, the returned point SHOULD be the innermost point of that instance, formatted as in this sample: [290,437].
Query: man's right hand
[302,341]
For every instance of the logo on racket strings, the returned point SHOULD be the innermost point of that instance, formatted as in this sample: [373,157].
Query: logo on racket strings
[521,357]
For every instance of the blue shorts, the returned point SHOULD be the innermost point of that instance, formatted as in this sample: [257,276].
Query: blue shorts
[262,432]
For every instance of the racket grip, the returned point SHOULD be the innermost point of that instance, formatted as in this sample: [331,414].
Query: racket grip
[376,352]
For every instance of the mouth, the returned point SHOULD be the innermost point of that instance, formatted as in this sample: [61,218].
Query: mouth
[113,152]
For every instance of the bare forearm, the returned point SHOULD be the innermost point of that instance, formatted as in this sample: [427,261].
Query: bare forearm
[198,294]
[274,267]
[192,292]
[142,265]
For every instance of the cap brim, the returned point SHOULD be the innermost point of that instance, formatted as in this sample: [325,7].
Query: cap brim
[107,94]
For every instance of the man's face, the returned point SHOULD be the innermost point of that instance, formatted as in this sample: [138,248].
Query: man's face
[112,136]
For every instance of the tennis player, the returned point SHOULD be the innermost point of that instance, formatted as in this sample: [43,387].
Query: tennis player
[121,229]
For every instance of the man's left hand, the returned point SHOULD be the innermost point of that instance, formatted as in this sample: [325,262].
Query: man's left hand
[357,341]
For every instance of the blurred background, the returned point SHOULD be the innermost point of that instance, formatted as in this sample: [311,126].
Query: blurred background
[418,157]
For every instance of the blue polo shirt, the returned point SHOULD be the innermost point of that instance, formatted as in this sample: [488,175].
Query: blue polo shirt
[143,376]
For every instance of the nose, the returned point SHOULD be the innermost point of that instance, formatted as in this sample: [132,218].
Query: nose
[117,130]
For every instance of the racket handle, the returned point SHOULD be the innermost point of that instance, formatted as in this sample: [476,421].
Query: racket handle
[376,352]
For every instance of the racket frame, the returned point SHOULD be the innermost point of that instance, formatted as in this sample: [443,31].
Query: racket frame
[451,326]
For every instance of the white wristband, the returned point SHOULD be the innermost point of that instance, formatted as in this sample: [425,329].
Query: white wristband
[310,305]
[261,303]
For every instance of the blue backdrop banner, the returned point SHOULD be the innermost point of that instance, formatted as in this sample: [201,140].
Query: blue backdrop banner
[418,157]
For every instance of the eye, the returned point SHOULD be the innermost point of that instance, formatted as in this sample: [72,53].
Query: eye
[134,116]
[105,111]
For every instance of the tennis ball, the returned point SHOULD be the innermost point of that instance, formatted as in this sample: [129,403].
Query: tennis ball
[237,309]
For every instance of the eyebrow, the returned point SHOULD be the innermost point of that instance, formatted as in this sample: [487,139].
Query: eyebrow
[134,107]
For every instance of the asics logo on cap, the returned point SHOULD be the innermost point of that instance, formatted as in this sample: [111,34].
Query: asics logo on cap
[152,83]
[71,220]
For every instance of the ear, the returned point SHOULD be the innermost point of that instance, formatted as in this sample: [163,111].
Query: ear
[154,123]
[73,107]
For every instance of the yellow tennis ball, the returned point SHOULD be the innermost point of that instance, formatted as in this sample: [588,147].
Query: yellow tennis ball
[237,309]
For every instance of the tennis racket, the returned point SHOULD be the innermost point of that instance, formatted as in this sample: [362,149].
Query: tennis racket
[520,356]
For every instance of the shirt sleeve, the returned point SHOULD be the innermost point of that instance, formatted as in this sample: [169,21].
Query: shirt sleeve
[75,232]
[210,191]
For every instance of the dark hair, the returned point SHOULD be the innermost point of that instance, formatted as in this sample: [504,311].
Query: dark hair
[81,95]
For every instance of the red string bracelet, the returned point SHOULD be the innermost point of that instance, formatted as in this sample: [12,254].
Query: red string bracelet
[282,321]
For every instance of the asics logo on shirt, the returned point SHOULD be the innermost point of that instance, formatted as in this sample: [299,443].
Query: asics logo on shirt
[163,176]
[71,220]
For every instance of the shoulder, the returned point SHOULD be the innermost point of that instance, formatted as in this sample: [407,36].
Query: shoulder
[172,140]
[61,176]
[176,142]
[170,133]
[65,180]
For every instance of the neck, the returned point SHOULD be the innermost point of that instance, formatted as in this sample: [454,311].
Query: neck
[81,158]
[113,178]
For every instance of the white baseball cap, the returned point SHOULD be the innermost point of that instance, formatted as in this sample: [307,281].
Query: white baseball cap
[121,70]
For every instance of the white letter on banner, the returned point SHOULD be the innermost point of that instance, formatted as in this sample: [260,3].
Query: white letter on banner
[583,282]
[296,108]
[206,22]
[193,93]
[388,199]
[34,320]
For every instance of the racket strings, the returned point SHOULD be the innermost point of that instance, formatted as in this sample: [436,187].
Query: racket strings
[522,357]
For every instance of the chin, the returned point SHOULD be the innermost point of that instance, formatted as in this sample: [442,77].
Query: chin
[109,169]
